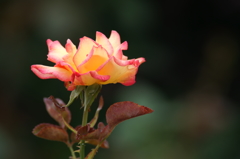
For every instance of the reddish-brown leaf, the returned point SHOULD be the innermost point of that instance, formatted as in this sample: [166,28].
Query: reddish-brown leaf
[92,133]
[73,136]
[51,132]
[121,111]
[116,113]
[92,137]
[56,110]
[65,112]
[83,131]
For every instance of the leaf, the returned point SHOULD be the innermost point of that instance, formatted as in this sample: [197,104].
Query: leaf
[95,118]
[56,110]
[83,131]
[83,134]
[116,113]
[74,136]
[93,138]
[51,132]
[121,111]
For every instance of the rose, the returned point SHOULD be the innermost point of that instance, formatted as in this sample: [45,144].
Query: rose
[100,61]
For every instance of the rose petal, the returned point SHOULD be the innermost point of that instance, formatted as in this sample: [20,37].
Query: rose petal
[95,75]
[120,71]
[56,51]
[89,78]
[85,46]
[130,80]
[118,52]
[94,60]
[103,40]
[70,47]
[115,39]
[65,65]
[47,72]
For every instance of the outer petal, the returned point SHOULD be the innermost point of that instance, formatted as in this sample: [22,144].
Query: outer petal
[71,49]
[118,52]
[121,71]
[116,42]
[46,72]
[65,65]
[56,51]
[115,39]
[88,78]
[129,78]
[85,46]
[103,40]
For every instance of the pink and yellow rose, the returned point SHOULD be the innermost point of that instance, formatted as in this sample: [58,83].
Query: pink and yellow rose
[100,61]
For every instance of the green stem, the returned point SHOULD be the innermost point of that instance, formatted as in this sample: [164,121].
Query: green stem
[72,152]
[87,96]
[84,122]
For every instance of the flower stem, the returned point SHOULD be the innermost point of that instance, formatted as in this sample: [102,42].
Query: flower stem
[84,122]
[72,152]
[89,94]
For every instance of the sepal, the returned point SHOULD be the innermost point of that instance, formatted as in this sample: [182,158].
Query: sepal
[91,93]
[74,94]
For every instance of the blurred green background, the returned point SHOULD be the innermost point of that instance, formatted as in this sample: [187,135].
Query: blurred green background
[191,77]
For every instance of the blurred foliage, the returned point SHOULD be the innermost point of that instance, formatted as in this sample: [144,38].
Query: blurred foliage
[191,77]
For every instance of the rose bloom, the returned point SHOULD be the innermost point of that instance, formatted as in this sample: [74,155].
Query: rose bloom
[100,61]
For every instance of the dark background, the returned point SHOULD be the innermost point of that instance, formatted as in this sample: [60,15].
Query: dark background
[190,78]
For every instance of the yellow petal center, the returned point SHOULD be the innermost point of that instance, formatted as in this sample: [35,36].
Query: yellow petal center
[94,62]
